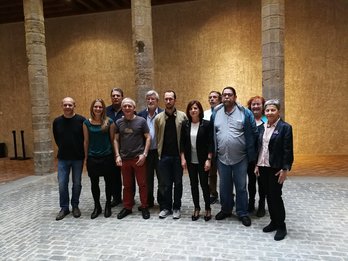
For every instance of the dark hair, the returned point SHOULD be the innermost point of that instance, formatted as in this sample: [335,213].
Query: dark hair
[116,90]
[230,88]
[199,105]
[218,93]
[254,98]
[172,92]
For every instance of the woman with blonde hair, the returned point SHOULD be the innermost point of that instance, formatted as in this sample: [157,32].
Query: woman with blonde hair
[99,133]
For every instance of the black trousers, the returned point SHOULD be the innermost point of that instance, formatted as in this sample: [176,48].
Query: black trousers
[273,192]
[199,176]
[252,187]
[151,167]
[101,167]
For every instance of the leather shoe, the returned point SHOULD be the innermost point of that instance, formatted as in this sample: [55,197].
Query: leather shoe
[269,228]
[96,212]
[124,212]
[245,221]
[107,210]
[76,212]
[195,215]
[222,215]
[145,212]
[62,213]
[115,202]
[207,216]
[280,234]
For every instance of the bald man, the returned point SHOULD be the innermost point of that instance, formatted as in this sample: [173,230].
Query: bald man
[68,135]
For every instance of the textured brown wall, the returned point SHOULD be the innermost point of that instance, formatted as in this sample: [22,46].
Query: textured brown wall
[198,46]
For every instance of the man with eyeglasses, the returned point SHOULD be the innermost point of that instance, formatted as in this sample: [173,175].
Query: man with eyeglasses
[114,111]
[235,135]
[214,99]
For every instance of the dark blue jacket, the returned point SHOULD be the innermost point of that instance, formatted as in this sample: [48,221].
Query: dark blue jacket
[144,113]
[281,155]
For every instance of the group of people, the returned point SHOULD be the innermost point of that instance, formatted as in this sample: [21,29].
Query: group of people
[243,145]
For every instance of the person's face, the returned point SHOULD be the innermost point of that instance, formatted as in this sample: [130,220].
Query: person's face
[228,98]
[68,106]
[213,99]
[152,102]
[116,98]
[272,113]
[98,108]
[169,100]
[128,109]
[256,106]
[194,111]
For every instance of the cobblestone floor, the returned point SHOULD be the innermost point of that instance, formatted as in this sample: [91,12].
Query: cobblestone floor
[316,211]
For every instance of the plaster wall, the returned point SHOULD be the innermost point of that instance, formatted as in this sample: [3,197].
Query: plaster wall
[198,46]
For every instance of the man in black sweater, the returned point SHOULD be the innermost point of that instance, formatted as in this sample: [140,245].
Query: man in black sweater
[68,135]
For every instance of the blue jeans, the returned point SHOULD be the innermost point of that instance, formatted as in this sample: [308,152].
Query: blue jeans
[234,174]
[64,167]
[170,172]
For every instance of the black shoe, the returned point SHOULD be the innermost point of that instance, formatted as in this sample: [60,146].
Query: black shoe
[107,210]
[222,215]
[280,234]
[115,202]
[213,199]
[76,212]
[261,212]
[245,221]
[96,212]
[124,212]
[145,212]
[207,216]
[269,228]
[195,215]
[62,213]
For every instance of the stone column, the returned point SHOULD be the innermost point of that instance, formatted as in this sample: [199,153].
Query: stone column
[38,84]
[273,50]
[143,49]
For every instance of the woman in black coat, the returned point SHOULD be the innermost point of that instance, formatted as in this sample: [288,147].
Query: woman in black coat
[196,146]
[275,146]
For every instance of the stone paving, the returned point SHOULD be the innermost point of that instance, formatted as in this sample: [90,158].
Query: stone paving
[316,211]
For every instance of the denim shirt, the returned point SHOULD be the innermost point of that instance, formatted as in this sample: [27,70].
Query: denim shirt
[250,131]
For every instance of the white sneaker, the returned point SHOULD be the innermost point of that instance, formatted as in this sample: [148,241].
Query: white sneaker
[164,213]
[176,214]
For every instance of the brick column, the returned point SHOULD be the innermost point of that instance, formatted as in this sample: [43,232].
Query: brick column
[38,84]
[143,49]
[273,50]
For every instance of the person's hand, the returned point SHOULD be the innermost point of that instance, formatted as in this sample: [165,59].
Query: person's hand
[207,165]
[119,161]
[281,175]
[256,171]
[141,160]
[183,164]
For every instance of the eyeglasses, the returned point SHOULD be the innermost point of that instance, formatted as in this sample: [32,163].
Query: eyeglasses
[213,97]
[229,94]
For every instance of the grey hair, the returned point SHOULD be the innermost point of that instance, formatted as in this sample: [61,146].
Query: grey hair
[152,93]
[127,100]
[274,102]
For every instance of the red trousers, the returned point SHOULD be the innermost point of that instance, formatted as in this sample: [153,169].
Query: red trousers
[130,171]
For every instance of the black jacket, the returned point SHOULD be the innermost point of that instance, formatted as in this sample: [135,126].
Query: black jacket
[204,142]
[281,155]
